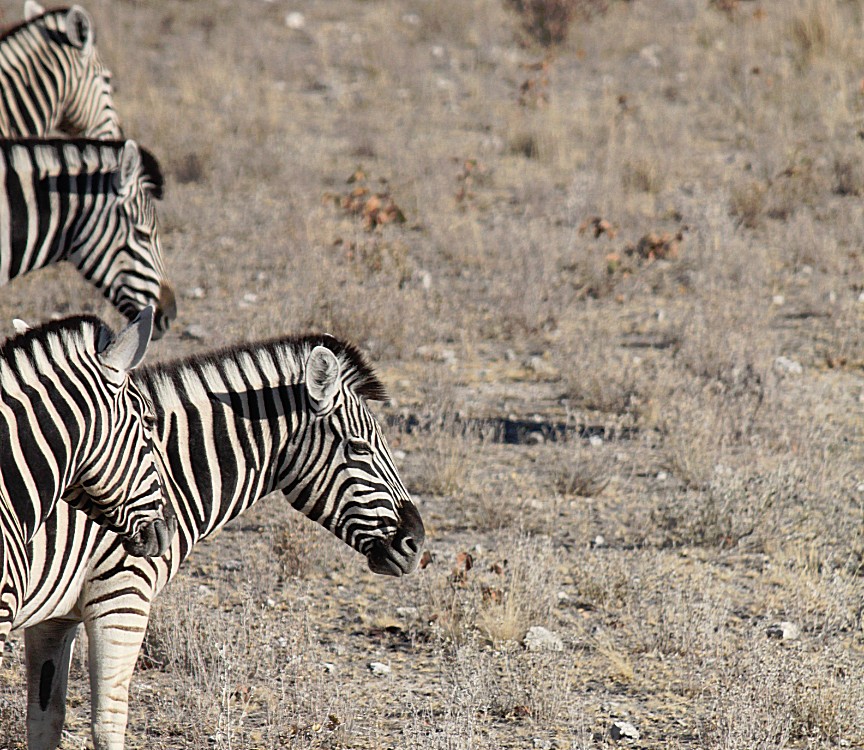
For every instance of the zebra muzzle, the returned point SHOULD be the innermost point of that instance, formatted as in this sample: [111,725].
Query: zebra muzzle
[166,311]
[400,554]
[154,539]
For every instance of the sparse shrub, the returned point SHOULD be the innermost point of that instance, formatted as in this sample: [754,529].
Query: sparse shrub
[849,173]
[586,475]
[643,174]
[447,455]
[548,21]
[747,201]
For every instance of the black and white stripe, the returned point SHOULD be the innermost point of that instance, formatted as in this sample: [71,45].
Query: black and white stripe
[71,417]
[233,426]
[90,203]
[52,78]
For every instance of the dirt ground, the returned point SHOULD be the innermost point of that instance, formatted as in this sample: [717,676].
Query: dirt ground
[615,287]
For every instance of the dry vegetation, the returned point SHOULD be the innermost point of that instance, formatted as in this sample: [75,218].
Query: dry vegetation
[621,324]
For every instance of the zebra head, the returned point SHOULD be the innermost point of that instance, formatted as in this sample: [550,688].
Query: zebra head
[87,106]
[343,474]
[98,412]
[131,270]
[118,481]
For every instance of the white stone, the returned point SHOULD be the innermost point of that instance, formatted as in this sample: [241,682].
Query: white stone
[379,668]
[400,455]
[295,20]
[595,441]
[784,631]
[408,613]
[329,667]
[196,332]
[623,730]
[787,366]
[540,639]
[599,541]
[778,299]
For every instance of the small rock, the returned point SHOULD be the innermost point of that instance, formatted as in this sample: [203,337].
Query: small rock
[540,639]
[195,332]
[784,631]
[271,602]
[662,476]
[599,541]
[295,20]
[535,438]
[778,299]
[408,613]
[232,565]
[379,668]
[623,730]
[787,366]
[195,292]
[595,441]
[329,667]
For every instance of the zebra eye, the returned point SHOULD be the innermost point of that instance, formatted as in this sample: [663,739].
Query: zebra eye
[150,421]
[359,446]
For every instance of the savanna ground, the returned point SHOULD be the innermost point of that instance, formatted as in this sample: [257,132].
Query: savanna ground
[621,326]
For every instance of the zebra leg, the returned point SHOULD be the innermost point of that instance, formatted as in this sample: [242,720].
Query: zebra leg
[114,642]
[47,653]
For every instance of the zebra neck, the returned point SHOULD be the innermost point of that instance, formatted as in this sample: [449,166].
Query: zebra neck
[221,450]
[49,63]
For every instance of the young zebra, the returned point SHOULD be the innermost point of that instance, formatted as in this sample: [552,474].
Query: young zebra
[71,417]
[90,203]
[232,426]
[51,77]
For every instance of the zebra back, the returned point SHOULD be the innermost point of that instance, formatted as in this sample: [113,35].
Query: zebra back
[89,202]
[52,77]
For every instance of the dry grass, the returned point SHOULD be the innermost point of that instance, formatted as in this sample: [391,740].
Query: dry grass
[718,370]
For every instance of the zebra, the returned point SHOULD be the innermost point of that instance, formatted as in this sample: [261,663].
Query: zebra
[52,77]
[70,417]
[90,203]
[287,414]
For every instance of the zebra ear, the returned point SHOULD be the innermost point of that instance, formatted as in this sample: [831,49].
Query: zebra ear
[20,326]
[32,9]
[322,377]
[125,351]
[130,165]
[79,29]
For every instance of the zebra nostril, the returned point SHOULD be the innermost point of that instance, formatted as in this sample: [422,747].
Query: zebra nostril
[410,543]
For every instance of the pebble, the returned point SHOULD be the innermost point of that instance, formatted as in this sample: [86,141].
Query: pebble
[196,292]
[595,441]
[408,613]
[195,332]
[295,20]
[534,438]
[623,730]
[788,366]
[599,541]
[784,631]
[329,667]
[540,639]
[379,668]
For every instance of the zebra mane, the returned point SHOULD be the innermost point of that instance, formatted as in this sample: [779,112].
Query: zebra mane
[289,351]
[69,329]
[16,27]
[152,177]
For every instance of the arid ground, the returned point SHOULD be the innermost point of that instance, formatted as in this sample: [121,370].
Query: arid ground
[615,286]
